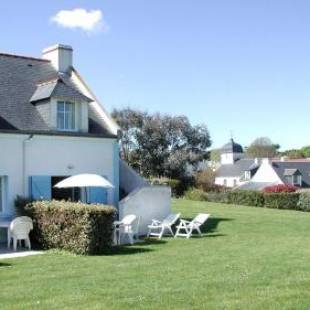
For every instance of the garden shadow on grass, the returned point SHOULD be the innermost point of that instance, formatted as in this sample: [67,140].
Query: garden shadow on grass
[4,265]
[136,248]
[211,225]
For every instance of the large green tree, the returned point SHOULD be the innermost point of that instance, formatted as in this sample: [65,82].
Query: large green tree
[161,145]
[262,147]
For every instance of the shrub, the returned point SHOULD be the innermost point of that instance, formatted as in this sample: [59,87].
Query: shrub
[282,200]
[280,188]
[246,198]
[20,205]
[204,180]
[178,187]
[76,227]
[304,201]
[220,197]
[196,195]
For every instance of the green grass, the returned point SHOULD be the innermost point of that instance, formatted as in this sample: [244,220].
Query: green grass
[249,258]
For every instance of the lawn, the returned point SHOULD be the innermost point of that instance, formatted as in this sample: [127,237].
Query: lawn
[249,258]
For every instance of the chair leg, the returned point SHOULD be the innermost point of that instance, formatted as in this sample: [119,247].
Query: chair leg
[130,238]
[199,231]
[28,243]
[14,244]
[161,232]
[171,231]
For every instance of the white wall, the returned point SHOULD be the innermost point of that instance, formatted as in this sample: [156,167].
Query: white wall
[151,202]
[229,180]
[230,158]
[52,156]
[266,173]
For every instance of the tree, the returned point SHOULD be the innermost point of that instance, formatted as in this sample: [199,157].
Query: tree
[306,151]
[262,147]
[161,145]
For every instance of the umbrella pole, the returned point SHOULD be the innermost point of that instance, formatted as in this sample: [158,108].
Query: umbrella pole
[86,200]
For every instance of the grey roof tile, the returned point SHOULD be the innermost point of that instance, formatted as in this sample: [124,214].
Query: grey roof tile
[19,77]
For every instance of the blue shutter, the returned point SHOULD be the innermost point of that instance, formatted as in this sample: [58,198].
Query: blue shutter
[41,187]
[97,195]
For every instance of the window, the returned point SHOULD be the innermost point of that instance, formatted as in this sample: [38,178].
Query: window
[297,179]
[225,182]
[235,182]
[65,115]
[247,175]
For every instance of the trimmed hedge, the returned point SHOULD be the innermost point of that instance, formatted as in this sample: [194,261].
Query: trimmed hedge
[75,227]
[282,200]
[304,201]
[246,198]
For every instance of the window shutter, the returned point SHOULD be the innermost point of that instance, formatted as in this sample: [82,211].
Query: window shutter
[97,195]
[41,187]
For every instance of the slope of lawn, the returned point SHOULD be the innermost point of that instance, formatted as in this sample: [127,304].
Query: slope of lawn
[249,258]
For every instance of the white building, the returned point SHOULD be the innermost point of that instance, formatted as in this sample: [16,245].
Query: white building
[235,169]
[52,126]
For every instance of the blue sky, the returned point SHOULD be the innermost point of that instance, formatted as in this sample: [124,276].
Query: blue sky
[240,66]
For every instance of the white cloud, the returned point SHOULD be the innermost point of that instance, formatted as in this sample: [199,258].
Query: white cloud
[88,21]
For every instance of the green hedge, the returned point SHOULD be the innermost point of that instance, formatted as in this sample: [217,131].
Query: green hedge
[293,201]
[304,201]
[246,198]
[282,200]
[196,195]
[76,227]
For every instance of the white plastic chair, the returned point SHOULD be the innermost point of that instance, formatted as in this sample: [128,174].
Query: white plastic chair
[189,226]
[19,230]
[158,228]
[128,226]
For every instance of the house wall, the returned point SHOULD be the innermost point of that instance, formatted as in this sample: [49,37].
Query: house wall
[150,202]
[266,173]
[230,158]
[229,181]
[21,158]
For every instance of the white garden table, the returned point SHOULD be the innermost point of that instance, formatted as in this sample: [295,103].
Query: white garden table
[6,224]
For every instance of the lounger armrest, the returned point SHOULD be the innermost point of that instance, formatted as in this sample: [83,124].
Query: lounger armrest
[156,222]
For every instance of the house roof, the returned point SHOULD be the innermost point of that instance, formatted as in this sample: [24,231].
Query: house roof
[232,147]
[284,167]
[21,80]
[57,88]
[238,168]
[255,186]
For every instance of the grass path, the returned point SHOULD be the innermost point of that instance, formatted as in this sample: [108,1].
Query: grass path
[249,258]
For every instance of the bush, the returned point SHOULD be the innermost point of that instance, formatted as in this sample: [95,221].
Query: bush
[76,227]
[246,198]
[282,200]
[196,195]
[20,205]
[204,180]
[220,197]
[178,187]
[280,188]
[304,201]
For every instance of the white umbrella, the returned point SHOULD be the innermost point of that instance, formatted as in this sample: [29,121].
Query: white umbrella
[84,180]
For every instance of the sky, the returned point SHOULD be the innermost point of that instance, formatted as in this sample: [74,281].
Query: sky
[241,67]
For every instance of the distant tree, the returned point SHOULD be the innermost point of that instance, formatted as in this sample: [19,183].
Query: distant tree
[294,154]
[161,145]
[215,155]
[262,147]
[306,151]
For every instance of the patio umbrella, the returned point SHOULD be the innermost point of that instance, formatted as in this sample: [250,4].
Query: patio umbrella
[84,180]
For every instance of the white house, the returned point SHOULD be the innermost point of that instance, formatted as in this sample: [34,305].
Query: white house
[274,172]
[235,169]
[52,126]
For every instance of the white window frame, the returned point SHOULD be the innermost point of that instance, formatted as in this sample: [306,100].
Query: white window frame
[66,128]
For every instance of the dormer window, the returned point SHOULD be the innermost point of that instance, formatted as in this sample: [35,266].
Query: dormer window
[65,115]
